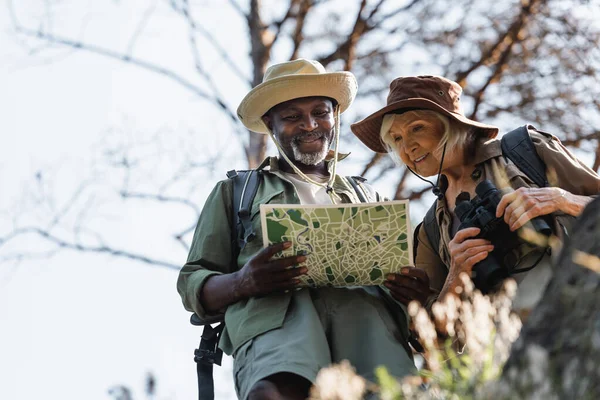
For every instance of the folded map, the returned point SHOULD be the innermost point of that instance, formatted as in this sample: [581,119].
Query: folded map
[345,244]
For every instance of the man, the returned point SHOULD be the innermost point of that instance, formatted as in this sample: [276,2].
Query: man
[280,337]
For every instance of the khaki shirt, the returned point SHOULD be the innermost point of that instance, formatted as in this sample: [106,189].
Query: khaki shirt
[563,170]
[211,254]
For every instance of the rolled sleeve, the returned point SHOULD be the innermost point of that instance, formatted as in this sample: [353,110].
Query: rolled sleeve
[190,284]
[563,169]
[211,250]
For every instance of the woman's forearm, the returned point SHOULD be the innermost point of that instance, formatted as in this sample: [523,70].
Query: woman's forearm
[574,204]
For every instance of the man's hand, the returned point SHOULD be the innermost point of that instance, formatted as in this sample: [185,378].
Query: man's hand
[261,275]
[410,284]
[524,204]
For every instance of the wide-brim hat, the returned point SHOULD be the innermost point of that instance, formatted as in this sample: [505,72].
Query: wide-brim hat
[418,93]
[293,80]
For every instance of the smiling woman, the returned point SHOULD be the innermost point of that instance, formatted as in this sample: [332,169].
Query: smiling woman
[423,126]
[412,137]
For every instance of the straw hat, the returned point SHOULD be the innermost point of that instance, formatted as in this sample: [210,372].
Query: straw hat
[418,93]
[293,80]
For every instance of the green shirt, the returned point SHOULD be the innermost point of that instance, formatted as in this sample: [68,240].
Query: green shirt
[211,254]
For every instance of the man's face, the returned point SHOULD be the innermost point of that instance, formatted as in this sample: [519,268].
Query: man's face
[303,127]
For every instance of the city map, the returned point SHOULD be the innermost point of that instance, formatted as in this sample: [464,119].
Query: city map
[345,244]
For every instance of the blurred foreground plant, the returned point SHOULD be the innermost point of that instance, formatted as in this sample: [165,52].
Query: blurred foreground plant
[466,344]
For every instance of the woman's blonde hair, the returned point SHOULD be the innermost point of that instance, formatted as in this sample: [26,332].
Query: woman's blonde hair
[456,136]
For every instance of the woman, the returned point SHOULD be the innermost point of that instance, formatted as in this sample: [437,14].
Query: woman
[423,127]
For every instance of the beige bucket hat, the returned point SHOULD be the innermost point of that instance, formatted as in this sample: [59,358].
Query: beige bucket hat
[293,80]
[418,92]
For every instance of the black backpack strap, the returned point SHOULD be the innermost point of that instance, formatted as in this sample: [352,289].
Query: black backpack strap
[518,147]
[207,354]
[359,192]
[432,230]
[245,186]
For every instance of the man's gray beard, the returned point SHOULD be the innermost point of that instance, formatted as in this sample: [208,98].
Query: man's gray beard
[311,158]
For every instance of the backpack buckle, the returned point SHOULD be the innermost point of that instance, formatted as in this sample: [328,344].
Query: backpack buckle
[209,357]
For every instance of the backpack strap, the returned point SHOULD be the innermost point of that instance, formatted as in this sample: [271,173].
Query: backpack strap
[245,186]
[205,356]
[432,229]
[518,147]
[359,192]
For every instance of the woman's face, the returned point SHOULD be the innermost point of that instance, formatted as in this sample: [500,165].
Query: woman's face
[415,139]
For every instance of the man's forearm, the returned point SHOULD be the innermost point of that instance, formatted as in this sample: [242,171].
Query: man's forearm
[219,291]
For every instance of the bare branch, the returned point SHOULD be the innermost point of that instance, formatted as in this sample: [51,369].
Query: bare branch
[498,69]
[217,97]
[596,165]
[62,244]
[297,36]
[77,45]
[179,236]
[161,198]
[577,141]
[140,28]
[392,14]
[276,25]
[224,54]
[346,49]
[237,8]
[506,40]
[374,160]
[415,194]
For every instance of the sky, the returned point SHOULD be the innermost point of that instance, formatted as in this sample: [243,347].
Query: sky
[76,324]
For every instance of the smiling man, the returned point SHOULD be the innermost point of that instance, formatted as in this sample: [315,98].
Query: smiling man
[279,337]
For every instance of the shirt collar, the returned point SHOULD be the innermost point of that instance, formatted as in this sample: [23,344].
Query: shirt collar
[487,150]
[339,183]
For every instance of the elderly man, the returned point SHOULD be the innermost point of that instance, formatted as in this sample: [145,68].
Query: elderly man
[280,338]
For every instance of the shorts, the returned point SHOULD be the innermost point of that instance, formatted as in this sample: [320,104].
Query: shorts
[324,326]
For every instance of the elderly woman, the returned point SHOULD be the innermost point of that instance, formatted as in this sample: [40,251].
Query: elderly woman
[424,127]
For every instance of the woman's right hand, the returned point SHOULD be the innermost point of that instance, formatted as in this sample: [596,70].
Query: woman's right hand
[261,275]
[466,252]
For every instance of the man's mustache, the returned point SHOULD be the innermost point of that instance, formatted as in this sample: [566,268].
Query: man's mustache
[309,135]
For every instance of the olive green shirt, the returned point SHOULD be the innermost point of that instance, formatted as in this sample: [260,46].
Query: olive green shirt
[563,170]
[211,254]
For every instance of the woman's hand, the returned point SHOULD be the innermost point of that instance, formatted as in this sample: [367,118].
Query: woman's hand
[524,204]
[410,284]
[466,252]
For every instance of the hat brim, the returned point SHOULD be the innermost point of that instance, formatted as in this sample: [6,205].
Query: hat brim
[368,130]
[340,86]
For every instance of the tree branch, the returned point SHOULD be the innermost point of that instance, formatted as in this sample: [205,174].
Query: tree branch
[297,37]
[374,161]
[224,54]
[62,244]
[505,40]
[160,198]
